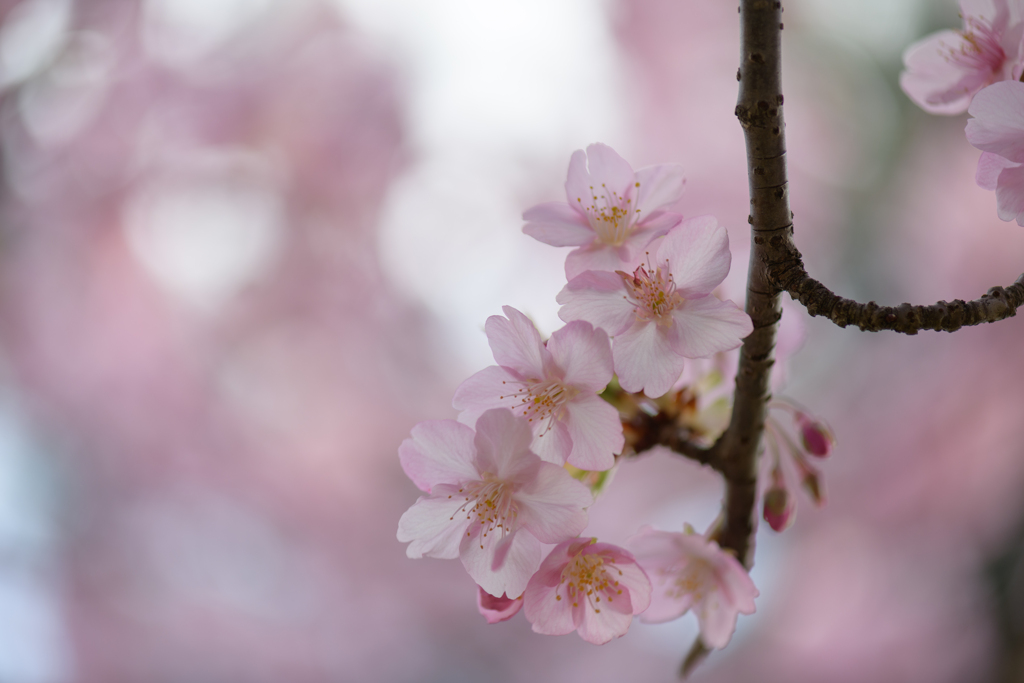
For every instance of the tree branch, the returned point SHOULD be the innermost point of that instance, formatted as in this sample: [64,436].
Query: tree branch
[786,270]
[759,110]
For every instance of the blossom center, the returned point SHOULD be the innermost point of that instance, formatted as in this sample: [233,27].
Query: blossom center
[540,400]
[653,294]
[491,504]
[611,215]
[981,49]
[694,579]
[589,577]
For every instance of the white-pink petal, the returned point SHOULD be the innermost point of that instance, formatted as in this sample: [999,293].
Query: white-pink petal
[646,359]
[599,297]
[698,255]
[998,123]
[609,172]
[433,527]
[597,256]
[661,186]
[1010,194]
[502,444]
[551,506]
[551,441]
[521,559]
[439,452]
[515,343]
[595,428]
[484,391]
[989,167]
[558,224]
[583,355]
[707,325]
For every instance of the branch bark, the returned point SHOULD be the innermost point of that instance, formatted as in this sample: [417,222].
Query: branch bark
[759,110]
[786,271]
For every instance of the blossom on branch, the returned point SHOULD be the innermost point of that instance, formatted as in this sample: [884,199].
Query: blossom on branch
[553,385]
[664,311]
[611,212]
[589,587]
[997,129]
[690,572]
[946,69]
[491,501]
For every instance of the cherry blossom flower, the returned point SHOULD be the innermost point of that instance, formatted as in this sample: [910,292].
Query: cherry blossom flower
[553,385]
[589,587]
[495,609]
[662,313]
[492,502]
[998,130]
[946,69]
[690,572]
[611,212]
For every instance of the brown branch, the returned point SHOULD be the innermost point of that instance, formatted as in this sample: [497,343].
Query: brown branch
[759,109]
[786,270]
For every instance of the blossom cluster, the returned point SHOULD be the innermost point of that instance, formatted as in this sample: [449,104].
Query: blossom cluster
[503,483]
[978,70]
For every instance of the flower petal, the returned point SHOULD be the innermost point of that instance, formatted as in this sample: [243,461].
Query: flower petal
[600,627]
[596,432]
[551,506]
[490,388]
[609,172]
[934,82]
[698,255]
[654,226]
[503,446]
[583,354]
[548,615]
[516,344]
[706,326]
[577,181]
[989,167]
[439,452]
[598,256]
[552,444]
[434,526]
[646,360]
[558,224]
[522,557]
[1010,194]
[717,620]
[998,125]
[661,186]
[494,609]
[598,297]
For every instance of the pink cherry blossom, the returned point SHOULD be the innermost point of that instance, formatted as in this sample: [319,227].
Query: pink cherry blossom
[553,385]
[611,212]
[662,313]
[690,572]
[946,69]
[492,502]
[495,609]
[589,587]
[998,130]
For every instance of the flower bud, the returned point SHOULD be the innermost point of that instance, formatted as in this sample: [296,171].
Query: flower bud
[815,436]
[815,486]
[779,508]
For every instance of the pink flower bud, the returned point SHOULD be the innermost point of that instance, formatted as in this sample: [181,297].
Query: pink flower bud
[816,437]
[779,508]
[495,609]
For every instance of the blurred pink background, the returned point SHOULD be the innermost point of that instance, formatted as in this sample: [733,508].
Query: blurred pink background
[246,244]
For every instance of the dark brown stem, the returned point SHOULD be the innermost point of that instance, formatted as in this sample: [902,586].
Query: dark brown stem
[759,109]
[786,270]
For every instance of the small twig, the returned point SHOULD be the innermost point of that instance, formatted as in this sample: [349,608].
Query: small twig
[786,270]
